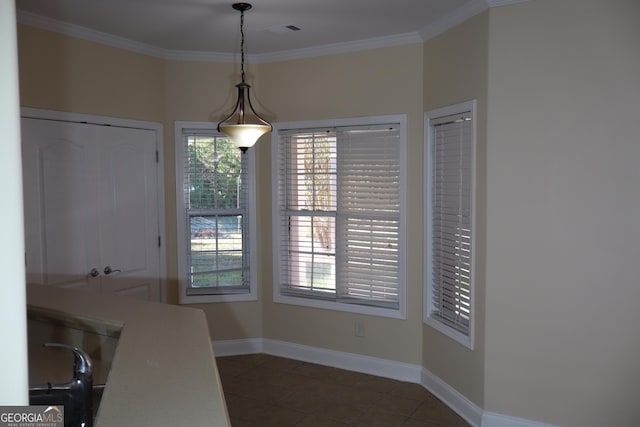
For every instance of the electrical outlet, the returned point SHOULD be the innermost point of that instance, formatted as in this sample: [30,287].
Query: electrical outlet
[359,329]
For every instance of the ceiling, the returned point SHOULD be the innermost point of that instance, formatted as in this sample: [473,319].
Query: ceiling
[214,26]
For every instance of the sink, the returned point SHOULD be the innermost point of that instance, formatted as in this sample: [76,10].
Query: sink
[96,338]
[69,404]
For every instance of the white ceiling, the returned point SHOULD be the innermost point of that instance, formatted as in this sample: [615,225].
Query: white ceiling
[214,26]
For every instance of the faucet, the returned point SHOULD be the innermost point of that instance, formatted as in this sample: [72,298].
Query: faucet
[75,394]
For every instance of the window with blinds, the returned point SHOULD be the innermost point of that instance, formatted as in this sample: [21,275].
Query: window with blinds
[339,216]
[449,220]
[213,205]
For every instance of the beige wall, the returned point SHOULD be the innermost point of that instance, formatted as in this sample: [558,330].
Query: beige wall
[455,70]
[374,82]
[563,197]
[63,73]
[67,74]
[558,190]
[304,90]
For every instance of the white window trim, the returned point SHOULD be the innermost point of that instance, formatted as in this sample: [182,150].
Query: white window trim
[183,298]
[399,313]
[429,117]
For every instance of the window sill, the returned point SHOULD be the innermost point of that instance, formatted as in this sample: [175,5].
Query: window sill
[205,299]
[338,306]
[450,332]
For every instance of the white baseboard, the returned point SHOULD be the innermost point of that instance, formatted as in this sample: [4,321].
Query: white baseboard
[491,419]
[452,398]
[236,347]
[473,414]
[349,361]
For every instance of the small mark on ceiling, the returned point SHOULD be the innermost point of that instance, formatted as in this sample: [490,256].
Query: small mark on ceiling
[280,29]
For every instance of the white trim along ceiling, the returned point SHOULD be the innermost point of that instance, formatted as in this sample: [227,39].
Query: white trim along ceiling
[449,20]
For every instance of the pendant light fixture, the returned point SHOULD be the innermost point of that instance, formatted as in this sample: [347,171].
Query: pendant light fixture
[243,126]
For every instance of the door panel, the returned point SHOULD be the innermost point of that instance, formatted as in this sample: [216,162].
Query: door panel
[91,201]
[60,233]
[67,227]
[129,212]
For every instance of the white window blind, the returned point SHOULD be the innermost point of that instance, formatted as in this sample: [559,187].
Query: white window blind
[449,226]
[214,215]
[339,213]
[369,215]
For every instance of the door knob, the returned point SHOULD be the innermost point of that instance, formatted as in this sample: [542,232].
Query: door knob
[94,272]
[108,270]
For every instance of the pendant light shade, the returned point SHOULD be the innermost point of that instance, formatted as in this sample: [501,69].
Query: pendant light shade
[243,126]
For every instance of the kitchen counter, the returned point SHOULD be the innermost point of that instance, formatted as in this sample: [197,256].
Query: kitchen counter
[163,371]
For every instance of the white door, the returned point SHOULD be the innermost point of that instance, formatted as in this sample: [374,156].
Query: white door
[91,207]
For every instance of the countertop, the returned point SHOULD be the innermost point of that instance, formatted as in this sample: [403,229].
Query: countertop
[163,372]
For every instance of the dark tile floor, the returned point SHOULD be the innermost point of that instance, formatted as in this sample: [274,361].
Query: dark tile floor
[269,391]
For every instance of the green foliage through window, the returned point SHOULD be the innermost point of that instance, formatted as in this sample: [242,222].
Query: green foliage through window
[214,173]
[215,197]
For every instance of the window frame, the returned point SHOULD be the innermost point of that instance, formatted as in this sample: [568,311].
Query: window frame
[301,300]
[181,232]
[429,305]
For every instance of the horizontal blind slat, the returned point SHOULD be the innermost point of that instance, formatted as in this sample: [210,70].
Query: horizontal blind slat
[370,171]
[451,239]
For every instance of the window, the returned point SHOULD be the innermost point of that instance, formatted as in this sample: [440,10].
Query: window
[339,216]
[214,200]
[449,201]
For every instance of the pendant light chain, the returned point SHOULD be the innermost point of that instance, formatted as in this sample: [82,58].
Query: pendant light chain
[242,45]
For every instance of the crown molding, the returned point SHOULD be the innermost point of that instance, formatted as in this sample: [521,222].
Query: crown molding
[458,16]
[346,47]
[454,18]
[201,56]
[84,33]
[77,31]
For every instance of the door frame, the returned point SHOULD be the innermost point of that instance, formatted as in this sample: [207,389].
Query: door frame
[36,113]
